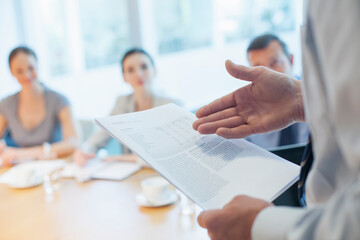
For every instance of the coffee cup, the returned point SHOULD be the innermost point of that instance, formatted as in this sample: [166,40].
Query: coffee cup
[24,176]
[155,189]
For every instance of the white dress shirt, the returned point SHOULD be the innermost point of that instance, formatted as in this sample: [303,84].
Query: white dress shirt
[331,57]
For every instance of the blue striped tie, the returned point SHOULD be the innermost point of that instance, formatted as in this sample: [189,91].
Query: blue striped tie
[306,163]
[288,136]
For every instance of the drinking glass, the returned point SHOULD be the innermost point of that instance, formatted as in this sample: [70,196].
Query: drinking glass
[187,206]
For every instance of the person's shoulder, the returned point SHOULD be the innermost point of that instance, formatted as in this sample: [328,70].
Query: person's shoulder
[10,99]
[56,99]
[121,103]
[162,100]
[54,93]
[122,98]
[8,105]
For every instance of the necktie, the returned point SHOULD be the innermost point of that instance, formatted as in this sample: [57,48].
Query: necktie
[306,164]
[287,136]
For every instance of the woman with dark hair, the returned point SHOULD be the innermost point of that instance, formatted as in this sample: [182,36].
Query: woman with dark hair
[139,71]
[36,122]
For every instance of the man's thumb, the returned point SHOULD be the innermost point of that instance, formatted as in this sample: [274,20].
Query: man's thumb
[240,71]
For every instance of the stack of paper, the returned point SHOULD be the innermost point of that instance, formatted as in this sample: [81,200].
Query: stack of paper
[209,169]
[36,168]
[97,169]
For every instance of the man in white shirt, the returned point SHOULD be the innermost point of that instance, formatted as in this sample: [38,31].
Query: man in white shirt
[270,51]
[331,92]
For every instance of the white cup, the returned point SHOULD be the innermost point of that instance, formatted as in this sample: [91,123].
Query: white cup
[24,176]
[155,189]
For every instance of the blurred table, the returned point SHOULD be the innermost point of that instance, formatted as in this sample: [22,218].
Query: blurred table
[93,210]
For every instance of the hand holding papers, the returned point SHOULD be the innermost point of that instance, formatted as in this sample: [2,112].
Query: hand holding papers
[209,169]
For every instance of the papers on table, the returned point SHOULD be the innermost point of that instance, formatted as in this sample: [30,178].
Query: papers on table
[207,168]
[96,169]
[23,172]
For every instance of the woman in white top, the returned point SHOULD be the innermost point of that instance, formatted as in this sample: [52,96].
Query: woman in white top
[139,71]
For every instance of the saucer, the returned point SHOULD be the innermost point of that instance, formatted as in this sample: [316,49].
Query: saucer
[169,199]
[37,181]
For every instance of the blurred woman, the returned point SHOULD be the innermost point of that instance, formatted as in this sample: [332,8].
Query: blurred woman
[139,72]
[36,122]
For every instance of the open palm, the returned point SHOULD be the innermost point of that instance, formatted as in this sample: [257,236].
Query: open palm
[270,102]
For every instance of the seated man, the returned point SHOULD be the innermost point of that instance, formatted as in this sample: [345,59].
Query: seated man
[269,51]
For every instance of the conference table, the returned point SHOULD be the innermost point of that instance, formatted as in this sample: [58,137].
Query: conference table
[97,209]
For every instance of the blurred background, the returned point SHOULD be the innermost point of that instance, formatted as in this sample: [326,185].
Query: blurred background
[80,42]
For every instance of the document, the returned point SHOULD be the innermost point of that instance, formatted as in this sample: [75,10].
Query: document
[97,169]
[39,168]
[209,169]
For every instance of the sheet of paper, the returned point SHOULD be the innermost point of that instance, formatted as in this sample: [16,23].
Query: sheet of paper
[41,169]
[97,169]
[208,169]
[116,171]
[81,173]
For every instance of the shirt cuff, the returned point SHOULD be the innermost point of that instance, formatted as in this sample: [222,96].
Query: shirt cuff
[273,223]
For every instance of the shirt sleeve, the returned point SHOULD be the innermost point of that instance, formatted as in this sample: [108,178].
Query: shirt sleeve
[2,112]
[337,38]
[273,223]
[100,138]
[339,218]
[61,102]
[7,106]
[2,108]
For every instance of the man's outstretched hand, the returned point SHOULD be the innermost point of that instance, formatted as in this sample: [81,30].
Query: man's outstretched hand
[270,102]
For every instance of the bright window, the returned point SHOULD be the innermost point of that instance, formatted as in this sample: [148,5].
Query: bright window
[246,18]
[53,17]
[183,24]
[105,31]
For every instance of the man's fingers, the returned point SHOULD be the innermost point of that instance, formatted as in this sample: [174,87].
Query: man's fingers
[212,127]
[228,101]
[219,104]
[206,218]
[236,132]
[241,72]
[227,113]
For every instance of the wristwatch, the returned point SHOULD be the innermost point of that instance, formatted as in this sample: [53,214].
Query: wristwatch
[46,150]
